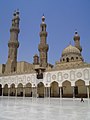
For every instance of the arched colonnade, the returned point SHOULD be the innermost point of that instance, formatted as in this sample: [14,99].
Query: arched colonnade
[54,90]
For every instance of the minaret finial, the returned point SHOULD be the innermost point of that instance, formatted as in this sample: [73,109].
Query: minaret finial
[76,31]
[14,14]
[17,12]
[43,18]
[77,40]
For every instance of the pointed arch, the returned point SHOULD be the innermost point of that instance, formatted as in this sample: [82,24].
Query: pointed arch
[40,89]
[28,90]
[81,90]
[54,89]
[67,90]
[12,90]
[20,89]
[5,90]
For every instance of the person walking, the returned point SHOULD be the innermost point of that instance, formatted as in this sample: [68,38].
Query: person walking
[82,99]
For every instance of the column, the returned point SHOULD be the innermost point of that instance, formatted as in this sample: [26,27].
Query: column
[34,92]
[49,92]
[73,92]
[16,92]
[88,91]
[44,92]
[60,92]
[2,91]
[23,91]
[8,91]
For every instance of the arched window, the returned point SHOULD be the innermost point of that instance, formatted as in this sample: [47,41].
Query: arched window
[72,58]
[63,59]
[67,59]
[42,28]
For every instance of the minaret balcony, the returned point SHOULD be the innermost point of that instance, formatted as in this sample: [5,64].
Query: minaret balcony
[43,33]
[43,47]
[14,43]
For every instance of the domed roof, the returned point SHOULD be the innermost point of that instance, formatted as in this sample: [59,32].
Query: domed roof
[70,49]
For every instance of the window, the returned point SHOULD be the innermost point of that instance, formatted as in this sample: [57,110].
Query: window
[63,59]
[14,69]
[72,58]
[42,28]
[67,59]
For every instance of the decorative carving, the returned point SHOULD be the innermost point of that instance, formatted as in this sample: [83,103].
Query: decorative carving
[79,74]
[65,76]
[72,75]
[86,74]
[33,78]
[28,79]
[60,78]
[48,77]
[53,77]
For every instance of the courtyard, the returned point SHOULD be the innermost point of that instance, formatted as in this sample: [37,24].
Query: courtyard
[26,108]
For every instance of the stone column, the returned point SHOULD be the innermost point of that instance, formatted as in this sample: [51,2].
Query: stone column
[23,91]
[34,92]
[2,91]
[44,92]
[16,92]
[88,91]
[60,92]
[73,91]
[8,91]
[49,92]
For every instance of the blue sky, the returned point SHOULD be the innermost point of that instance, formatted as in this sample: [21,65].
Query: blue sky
[62,18]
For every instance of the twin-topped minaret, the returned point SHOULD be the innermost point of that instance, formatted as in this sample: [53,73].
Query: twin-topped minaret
[13,44]
[43,46]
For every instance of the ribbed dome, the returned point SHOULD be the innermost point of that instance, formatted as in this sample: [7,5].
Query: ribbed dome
[70,49]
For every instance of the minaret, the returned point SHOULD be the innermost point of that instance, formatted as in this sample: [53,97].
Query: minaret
[77,41]
[43,46]
[35,59]
[13,44]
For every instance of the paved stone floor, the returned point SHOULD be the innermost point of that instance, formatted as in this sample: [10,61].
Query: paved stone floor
[16,108]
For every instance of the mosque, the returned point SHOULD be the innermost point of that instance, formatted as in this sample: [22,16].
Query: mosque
[69,77]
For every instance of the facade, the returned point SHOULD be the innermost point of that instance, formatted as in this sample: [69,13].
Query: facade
[69,77]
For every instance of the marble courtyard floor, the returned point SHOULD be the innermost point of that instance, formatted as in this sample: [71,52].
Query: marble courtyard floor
[16,108]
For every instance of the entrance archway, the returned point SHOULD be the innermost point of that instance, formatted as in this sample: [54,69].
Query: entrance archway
[5,90]
[20,90]
[28,90]
[81,89]
[67,89]
[12,90]
[54,89]
[40,89]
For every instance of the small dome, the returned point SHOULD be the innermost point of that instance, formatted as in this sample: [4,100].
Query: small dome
[70,49]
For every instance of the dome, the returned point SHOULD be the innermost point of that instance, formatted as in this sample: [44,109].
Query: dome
[70,49]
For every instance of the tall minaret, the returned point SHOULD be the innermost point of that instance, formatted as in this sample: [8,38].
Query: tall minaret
[43,46]
[77,41]
[13,44]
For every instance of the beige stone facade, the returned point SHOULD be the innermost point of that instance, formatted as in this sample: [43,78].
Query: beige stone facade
[69,77]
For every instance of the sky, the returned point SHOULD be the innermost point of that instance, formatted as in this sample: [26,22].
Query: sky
[62,17]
